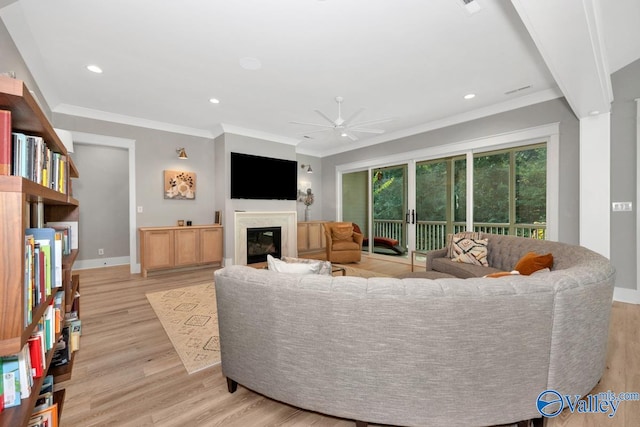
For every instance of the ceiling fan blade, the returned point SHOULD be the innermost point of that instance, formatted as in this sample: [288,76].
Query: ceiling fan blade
[350,135]
[312,124]
[371,122]
[324,116]
[353,116]
[365,130]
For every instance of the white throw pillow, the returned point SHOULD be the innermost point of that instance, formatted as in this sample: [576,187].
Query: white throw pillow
[325,266]
[297,268]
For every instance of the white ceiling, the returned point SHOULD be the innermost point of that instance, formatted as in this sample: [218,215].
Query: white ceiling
[412,60]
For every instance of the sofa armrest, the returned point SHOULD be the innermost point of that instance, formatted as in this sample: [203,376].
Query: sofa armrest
[431,255]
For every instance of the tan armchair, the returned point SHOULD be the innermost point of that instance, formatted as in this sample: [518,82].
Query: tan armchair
[344,245]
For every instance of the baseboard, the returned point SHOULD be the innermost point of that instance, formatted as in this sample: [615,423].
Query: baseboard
[86,264]
[631,296]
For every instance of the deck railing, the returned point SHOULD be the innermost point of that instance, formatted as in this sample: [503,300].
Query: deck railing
[432,235]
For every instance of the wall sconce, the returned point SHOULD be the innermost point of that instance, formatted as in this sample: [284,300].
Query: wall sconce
[309,170]
[182,155]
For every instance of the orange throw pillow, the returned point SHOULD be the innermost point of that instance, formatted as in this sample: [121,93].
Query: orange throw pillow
[501,274]
[532,262]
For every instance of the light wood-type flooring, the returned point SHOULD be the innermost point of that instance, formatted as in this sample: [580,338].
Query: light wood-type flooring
[128,374]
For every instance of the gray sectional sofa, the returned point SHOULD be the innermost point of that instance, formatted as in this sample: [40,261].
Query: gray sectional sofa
[416,351]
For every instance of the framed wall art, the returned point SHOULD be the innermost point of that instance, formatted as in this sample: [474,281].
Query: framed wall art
[179,185]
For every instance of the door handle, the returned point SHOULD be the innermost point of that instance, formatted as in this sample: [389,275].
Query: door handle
[413,216]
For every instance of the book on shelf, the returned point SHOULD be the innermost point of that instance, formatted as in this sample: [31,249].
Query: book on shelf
[47,417]
[62,354]
[58,306]
[72,230]
[31,158]
[11,381]
[1,389]
[75,331]
[26,373]
[5,142]
[46,236]
[36,354]
[45,397]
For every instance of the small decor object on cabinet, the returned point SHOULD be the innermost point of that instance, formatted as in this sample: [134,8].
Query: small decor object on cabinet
[181,223]
[307,199]
[179,185]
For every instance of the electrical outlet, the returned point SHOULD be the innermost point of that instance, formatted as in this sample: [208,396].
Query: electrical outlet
[100,251]
[140,209]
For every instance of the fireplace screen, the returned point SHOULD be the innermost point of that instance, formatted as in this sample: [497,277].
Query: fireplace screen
[261,242]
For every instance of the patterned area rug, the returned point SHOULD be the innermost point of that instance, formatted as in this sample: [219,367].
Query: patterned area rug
[189,317]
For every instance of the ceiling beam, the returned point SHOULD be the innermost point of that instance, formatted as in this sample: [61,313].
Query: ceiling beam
[568,34]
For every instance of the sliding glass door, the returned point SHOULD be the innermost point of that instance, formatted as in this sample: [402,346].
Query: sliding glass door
[390,208]
[415,205]
[441,201]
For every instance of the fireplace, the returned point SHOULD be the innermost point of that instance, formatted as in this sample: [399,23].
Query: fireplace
[263,241]
[285,220]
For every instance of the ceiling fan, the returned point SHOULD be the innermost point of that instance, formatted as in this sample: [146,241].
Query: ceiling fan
[345,127]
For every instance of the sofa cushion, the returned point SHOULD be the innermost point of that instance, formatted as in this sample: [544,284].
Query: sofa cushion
[345,245]
[470,251]
[461,270]
[532,262]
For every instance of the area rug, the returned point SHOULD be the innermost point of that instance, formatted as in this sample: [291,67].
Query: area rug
[189,317]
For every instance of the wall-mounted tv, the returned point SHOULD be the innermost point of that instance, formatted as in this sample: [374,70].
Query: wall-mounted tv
[266,178]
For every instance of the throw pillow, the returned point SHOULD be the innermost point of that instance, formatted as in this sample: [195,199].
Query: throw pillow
[276,264]
[342,232]
[502,274]
[470,251]
[450,237]
[325,266]
[532,262]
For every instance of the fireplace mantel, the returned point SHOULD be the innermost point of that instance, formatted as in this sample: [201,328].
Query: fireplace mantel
[286,220]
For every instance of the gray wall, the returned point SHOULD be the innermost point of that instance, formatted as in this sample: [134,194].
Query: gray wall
[626,88]
[11,60]
[155,152]
[103,192]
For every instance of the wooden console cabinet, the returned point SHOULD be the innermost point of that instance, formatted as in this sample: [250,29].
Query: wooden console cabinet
[164,248]
[311,236]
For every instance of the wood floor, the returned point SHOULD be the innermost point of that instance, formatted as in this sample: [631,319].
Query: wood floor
[128,374]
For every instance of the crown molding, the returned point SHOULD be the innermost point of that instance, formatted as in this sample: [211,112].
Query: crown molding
[129,120]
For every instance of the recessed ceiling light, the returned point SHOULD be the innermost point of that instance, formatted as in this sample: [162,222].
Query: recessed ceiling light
[249,63]
[214,100]
[470,96]
[594,112]
[94,69]
[343,134]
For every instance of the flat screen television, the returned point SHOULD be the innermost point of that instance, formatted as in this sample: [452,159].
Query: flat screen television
[266,178]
